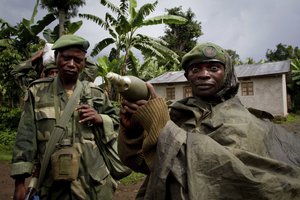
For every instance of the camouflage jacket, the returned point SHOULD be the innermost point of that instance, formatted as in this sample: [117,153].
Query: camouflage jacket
[37,121]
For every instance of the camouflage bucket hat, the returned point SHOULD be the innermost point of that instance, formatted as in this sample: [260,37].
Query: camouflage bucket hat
[205,52]
[71,41]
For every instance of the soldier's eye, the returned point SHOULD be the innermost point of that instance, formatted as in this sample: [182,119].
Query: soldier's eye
[195,70]
[214,68]
[66,58]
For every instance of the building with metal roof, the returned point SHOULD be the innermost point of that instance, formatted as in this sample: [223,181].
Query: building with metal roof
[262,86]
[263,69]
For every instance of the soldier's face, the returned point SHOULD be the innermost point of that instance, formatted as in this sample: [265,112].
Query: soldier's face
[206,78]
[52,73]
[70,63]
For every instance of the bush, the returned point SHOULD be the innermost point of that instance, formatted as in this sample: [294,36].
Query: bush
[9,120]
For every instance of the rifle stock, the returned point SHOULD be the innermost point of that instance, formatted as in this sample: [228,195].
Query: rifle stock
[33,184]
[31,191]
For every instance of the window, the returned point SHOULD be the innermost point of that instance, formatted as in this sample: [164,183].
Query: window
[170,93]
[247,88]
[187,91]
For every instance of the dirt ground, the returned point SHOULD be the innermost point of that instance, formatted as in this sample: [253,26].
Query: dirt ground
[123,192]
[7,186]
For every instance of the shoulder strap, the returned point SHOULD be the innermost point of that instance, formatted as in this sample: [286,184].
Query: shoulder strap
[59,130]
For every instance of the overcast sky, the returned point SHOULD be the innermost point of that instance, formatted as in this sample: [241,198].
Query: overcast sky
[249,27]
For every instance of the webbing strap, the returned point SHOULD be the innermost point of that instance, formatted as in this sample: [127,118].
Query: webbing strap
[59,130]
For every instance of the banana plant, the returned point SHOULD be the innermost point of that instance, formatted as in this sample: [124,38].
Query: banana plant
[123,28]
[69,28]
[296,71]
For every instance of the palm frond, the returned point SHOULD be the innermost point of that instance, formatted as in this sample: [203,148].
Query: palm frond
[41,24]
[72,27]
[163,42]
[110,5]
[124,7]
[113,33]
[123,27]
[110,19]
[132,8]
[159,46]
[101,45]
[165,19]
[95,19]
[149,49]
[132,63]
[34,12]
[143,12]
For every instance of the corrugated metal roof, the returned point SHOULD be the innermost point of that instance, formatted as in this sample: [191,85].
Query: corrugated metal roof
[263,69]
[248,70]
[169,77]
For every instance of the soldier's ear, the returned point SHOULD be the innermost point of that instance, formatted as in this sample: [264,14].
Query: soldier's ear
[55,55]
[185,74]
[85,61]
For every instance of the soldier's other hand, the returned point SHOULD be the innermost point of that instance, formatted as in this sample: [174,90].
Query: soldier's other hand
[89,115]
[20,190]
[36,56]
[152,91]
[127,110]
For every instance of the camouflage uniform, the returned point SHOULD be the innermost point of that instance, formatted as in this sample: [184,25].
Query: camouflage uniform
[44,105]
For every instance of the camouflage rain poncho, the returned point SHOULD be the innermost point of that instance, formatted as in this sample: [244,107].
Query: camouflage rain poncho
[212,149]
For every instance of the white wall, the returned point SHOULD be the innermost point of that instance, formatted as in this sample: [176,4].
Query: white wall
[161,89]
[269,95]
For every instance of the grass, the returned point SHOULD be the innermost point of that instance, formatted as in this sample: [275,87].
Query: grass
[5,153]
[133,178]
[291,118]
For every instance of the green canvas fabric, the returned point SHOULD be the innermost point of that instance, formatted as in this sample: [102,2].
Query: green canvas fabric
[220,152]
[214,148]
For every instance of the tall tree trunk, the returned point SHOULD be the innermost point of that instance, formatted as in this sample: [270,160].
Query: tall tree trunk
[61,18]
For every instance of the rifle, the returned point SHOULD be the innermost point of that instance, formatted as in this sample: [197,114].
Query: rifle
[32,187]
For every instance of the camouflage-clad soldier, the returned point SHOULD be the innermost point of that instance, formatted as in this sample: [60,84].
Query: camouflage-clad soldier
[50,70]
[43,107]
[208,146]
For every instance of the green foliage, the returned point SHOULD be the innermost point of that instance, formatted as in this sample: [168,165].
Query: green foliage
[7,139]
[296,71]
[283,52]
[70,28]
[133,178]
[234,56]
[122,24]
[290,119]
[70,7]
[181,38]
[9,118]
[4,154]
[249,61]
[17,43]
[63,10]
